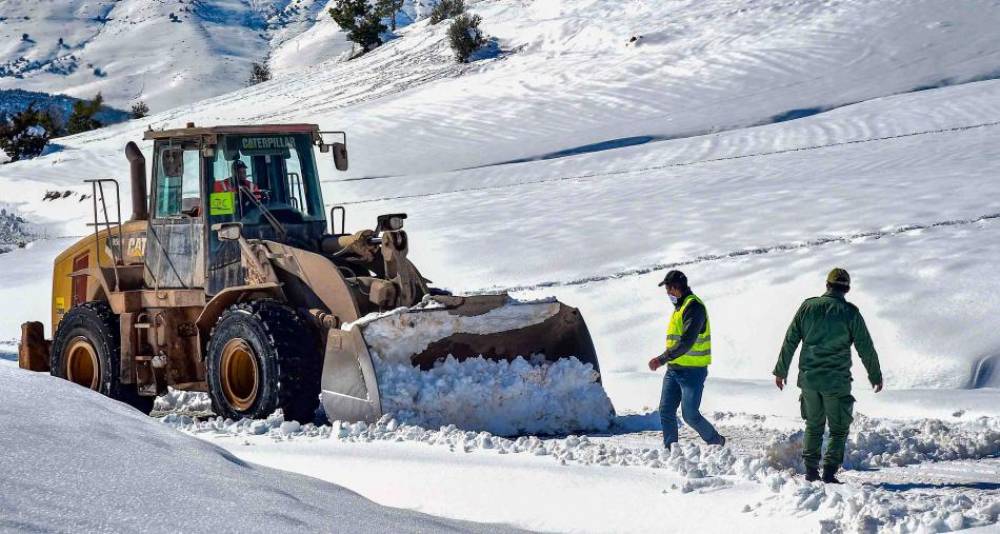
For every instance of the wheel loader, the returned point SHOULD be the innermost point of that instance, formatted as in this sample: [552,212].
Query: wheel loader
[230,278]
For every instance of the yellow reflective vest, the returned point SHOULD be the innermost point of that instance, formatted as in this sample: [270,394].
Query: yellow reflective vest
[700,354]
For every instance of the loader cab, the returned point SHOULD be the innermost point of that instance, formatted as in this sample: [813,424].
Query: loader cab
[264,177]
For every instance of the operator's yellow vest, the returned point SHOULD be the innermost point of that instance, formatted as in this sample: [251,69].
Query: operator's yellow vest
[700,354]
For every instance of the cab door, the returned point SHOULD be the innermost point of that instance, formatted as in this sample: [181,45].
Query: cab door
[175,242]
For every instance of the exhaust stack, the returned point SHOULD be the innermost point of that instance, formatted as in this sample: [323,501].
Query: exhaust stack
[137,170]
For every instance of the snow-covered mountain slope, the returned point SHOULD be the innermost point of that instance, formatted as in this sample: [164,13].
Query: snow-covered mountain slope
[899,189]
[165,53]
[569,76]
[76,461]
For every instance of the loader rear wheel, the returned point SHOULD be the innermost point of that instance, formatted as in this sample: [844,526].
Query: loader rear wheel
[262,356]
[86,351]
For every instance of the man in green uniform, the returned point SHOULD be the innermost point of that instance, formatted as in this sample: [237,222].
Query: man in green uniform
[827,326]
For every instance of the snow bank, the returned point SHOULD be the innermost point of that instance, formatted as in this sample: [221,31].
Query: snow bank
[875,443]
[501,397]
[75,461]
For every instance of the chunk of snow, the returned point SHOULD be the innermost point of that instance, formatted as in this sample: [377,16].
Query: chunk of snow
[183,401]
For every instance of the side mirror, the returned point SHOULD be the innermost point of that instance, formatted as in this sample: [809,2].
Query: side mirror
[390,223]
[228,231]
[339,156]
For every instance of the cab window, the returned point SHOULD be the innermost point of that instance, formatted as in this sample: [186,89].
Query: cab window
[177,192]
[276,171]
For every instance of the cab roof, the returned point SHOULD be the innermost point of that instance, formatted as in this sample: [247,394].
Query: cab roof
[192,131]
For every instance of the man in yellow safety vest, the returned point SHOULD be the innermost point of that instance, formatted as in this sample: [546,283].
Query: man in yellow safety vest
[689,351]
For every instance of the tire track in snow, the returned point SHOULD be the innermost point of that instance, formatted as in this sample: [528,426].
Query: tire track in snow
[758,251]
[607,174]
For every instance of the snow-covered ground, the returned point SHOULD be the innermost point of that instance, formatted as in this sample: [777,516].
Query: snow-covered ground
[580,165]
[607,479]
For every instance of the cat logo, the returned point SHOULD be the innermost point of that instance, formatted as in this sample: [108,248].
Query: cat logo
[136,246]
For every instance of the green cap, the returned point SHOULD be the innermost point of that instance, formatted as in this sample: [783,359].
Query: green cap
[839,277]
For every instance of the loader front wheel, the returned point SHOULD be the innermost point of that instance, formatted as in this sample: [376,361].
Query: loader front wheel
[262,356]
[86,351]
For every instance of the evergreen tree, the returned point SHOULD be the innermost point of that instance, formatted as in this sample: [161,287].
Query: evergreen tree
[260,73]
[465,36]
[361,20]
[387,9]
[25,135]
[446,9]
[83,117]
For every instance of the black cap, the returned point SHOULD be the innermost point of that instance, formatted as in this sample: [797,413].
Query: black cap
[839,277]
[674,278]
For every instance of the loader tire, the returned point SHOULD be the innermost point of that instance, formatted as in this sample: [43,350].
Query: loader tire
[86,350]
[262,356]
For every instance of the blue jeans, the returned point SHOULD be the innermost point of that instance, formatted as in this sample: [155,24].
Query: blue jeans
[682,387]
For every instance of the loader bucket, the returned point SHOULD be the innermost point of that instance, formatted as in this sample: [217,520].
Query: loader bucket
[438,336]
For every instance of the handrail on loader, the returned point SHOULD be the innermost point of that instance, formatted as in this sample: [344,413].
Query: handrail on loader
[97,185]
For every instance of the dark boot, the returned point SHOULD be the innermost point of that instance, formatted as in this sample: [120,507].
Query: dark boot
[828,472]
[812,474]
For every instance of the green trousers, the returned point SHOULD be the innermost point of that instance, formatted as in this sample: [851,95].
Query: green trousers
[821,409]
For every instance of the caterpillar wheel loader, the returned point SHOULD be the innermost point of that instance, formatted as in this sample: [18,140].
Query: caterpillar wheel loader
[227,279]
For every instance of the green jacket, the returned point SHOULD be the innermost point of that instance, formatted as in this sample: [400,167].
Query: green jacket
[827,326]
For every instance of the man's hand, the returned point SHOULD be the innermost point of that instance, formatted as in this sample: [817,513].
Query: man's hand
[877,387]
[655,364]
[780,382]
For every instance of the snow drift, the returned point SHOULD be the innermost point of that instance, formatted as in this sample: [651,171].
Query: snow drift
[76,461]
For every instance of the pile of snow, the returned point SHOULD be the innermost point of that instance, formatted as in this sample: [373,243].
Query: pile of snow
[499,396]
[876,443]
[75,461]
